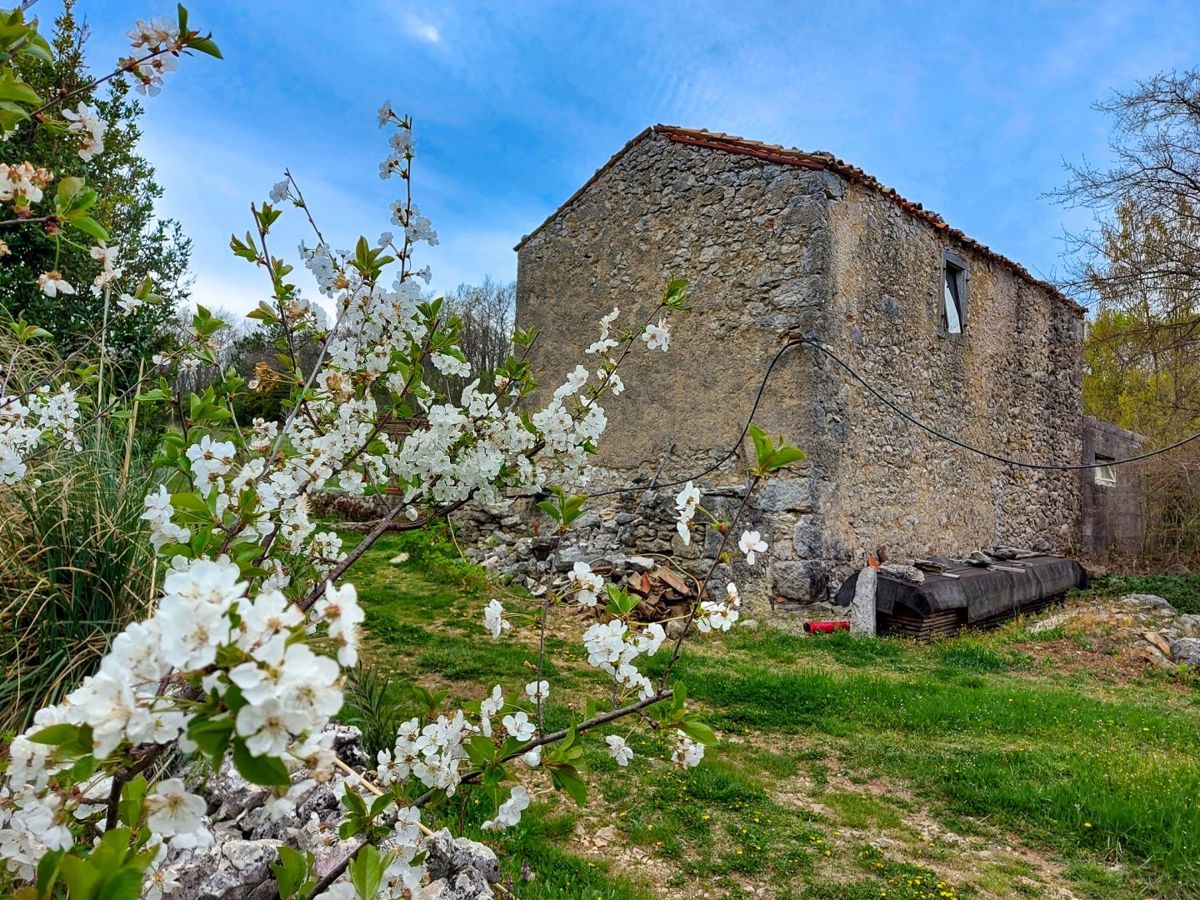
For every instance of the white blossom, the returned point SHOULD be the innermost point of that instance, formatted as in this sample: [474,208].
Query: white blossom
[686,752]
[173,810]
[493,618]
[537,690]
[618,749]
[53,284]
[85,121]
[656,336]
[751,543]
[509,813]
[519,726]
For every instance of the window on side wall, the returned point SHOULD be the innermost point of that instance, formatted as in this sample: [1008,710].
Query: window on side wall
[954,293]
[1105,475]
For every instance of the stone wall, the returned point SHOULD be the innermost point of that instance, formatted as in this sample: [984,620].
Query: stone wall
[772,249]
[753,239]
[1112,513]
[1009,383]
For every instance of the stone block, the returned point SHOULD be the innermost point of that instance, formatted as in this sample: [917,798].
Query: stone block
[804,582]
[785,495]
[807,538]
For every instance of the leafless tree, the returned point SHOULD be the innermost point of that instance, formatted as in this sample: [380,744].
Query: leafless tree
[487,312]
[1140,264]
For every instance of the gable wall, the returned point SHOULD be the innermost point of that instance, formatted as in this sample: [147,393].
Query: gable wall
[751,238]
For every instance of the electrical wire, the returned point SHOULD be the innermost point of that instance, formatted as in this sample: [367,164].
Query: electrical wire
[737,445]
[904,414]
[1007,460]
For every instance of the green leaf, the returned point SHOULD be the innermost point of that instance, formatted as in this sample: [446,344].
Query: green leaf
[292,873]
[621,603]
[125,884]
[205,45]
[212,736]
[697,731]
[267,771]
[109,855]
[480,749]
[88,226]
[132,802]
[189,501]
[68,189]
[566,778]
[354,802]
[83,881]
[56,734]
[14,90]
[367,870]
[47,872]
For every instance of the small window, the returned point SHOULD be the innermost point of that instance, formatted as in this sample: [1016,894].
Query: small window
[1106,475]
[954,293]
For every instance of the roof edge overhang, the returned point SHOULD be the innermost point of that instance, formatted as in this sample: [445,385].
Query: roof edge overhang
[814,161]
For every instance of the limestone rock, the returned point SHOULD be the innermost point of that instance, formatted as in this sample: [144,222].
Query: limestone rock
[862,607]
[1149,601]
[1186,650]
[467,866]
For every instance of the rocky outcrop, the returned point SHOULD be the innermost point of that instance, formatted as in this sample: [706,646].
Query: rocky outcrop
[237,866]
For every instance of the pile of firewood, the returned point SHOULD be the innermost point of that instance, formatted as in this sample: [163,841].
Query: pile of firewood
[665,595]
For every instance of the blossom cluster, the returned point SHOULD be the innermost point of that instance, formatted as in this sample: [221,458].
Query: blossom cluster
[158,39]
[246,649]
[86,122]
[26,423]
[208,635]
[23,184]
[686,503]
[478,448]
[611,648]
[589,584]
[720,615]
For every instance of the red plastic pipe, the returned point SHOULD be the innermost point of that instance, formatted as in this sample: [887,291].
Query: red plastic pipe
[826,627]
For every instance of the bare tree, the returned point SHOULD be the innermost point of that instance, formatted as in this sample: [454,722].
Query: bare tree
[487,312]
[1139,268]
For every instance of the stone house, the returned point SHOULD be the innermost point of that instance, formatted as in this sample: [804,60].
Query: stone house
[775,242]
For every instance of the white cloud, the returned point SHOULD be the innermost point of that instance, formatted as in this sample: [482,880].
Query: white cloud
[422,31]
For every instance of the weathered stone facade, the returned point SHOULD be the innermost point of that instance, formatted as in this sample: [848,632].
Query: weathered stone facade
[776,243]
[1113,511]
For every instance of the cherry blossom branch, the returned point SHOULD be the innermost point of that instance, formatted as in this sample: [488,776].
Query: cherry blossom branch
[471,777]
[176,47]
[687,625]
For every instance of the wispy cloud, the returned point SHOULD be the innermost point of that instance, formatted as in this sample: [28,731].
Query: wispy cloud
[517,104]
[422,30]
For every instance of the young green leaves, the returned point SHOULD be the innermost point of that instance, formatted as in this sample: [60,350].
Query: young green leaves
[770,458]
[563,508]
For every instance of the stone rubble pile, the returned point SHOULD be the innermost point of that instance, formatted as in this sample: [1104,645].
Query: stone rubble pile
[1175,636]
[246,840]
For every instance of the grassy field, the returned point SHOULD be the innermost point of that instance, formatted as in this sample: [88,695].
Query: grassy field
[1008,764]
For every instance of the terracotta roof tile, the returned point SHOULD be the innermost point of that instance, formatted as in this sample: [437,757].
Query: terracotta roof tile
[817,161]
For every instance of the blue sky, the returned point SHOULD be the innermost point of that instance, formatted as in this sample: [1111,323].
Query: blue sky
[968,108]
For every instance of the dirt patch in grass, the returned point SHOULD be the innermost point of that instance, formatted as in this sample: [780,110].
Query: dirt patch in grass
[883,814]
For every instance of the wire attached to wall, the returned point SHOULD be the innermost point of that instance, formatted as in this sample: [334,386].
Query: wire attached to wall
[1007,460]
[798,341]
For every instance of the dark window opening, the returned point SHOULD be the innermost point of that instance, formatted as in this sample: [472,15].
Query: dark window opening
[954,293]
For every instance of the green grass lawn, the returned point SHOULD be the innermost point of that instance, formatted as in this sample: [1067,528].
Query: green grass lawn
[847,768]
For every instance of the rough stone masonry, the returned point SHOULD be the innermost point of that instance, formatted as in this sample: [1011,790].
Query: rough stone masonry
[776,242]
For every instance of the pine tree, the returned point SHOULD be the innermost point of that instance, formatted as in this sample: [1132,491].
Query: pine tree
[125,182]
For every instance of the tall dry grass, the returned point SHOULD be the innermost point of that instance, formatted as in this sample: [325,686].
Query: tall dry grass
[76,565]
